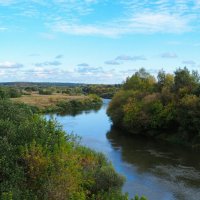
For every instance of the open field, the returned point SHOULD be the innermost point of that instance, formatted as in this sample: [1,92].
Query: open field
[44,101]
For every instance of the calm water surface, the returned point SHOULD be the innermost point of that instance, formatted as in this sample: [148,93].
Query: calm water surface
[154,169]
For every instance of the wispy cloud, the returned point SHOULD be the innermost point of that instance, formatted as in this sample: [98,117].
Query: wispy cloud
[89,70]
[84,29]
[189,62]
[83,65]
[41,72]
[48,63]
[151,22]
[34,54]
[169,55]
[112,62]
[130,58]
[146,17]
[3,29]
[159,16]
[59,56]
[10,65]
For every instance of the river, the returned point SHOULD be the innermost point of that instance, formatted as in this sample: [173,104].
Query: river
[155,169]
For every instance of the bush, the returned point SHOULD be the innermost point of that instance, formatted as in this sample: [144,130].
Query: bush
[45,92]
[38,160]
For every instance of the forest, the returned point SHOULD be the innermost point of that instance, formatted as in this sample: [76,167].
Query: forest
[165,107]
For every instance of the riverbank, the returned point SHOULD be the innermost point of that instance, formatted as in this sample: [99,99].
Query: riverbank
[41,161]
[153,168]
[60,103]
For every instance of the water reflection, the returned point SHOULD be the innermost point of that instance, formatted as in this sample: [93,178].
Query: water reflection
[155,169]
[173,168]
[78,111]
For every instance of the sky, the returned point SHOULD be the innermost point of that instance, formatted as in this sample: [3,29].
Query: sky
[96,41]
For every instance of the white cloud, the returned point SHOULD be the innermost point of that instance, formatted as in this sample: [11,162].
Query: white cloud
[145,23]
[136,16]
[81,29]
[10,65]
[159,22]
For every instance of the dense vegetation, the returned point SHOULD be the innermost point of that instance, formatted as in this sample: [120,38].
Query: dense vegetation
[75,106]
[167,107]
[38,160]
[104,91]
[10,92]
[54,96]
[45,92]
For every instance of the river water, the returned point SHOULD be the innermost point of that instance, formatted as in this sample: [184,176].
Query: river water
[155,169]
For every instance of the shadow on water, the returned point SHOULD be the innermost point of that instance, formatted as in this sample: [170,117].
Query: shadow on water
[74,112]
[177,169]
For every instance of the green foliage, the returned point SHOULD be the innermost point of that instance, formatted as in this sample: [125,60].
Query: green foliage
[45,92]
[186,82]
[39,161]
[104,91]
[9,92]
[75,106]
[168,108]
[115,110]
[141,81]
[139,198]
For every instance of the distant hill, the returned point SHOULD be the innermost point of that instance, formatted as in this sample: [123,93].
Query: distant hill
[26,84]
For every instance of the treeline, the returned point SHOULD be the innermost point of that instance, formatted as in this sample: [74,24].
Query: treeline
[38,160]
[167,107]
[104,91]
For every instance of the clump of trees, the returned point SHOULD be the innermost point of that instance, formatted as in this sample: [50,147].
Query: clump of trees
[10,92]
[104,91]
[167,107]
[45,92]
[38,160]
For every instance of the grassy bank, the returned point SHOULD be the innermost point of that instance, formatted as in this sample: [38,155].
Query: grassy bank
[60,103]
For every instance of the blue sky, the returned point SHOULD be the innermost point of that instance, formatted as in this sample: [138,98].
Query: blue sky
[96,41]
